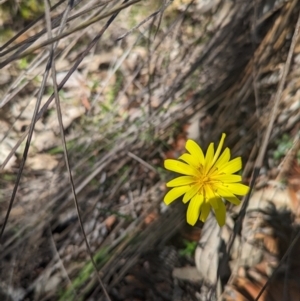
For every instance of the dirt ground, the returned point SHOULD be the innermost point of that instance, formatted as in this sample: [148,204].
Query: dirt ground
[124,85]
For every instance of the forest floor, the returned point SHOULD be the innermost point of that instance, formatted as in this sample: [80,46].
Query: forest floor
[139,79]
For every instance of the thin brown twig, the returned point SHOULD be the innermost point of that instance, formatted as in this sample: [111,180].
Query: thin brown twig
[138,25]
[63,140]
[30,133]
[262,151]
[112,12]
[22,80]
[55,23]
[25,153]
[28,26]
[60,86]
[143,162]
[55,251]
[273,115]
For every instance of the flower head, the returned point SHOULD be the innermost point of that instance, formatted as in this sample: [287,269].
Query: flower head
[206,182]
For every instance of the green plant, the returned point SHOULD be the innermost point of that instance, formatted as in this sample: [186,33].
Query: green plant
[189,248]
[283,145]
[23,63]
[84,274]
[30,9]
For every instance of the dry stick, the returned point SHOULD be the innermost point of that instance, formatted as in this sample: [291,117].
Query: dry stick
[11,91]
[11,275]
[22,46]
[162,10]
[287,162]
[150,75]
[161,40]
[30,133]
[150,53]
[255,64]
[208,49]
[55,251]
[22,80]
[261,154]
[44,108]
[27,27]
[153,15]
[137,26]
[25,153]
[147,165]
[67,33]
[88,10]
[42,111]
[60,86]
[56,21]
[83,32]
[61,129]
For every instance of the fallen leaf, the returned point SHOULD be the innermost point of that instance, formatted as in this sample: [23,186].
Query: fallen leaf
[150,218]
[17,211]
[110,221]
[188,273]
[41,162]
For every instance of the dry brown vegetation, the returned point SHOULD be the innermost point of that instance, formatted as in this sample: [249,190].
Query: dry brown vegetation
[133,81]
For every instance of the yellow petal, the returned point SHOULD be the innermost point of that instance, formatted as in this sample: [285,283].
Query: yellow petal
[225,193]
[205,209]
[211,198]
[227,178]
[180,181]
[218,151]
[177,166]
[193,211]
[221,214]
[175,193]
[189,159]
[209,158]
[232,166]
[195,150]
[237,188]
[224,158]
[190,193]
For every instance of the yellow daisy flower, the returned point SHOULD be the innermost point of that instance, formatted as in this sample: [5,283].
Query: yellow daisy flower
[207,181]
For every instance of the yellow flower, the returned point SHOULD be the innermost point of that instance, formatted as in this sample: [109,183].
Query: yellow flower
[208,180]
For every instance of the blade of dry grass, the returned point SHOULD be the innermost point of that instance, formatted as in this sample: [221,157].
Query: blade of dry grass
[63,140]
[25,153]
[30,133]
[61,84]
[4,46]
[55,23]
[112,12]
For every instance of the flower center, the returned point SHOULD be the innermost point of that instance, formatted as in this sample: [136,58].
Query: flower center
[205,179]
